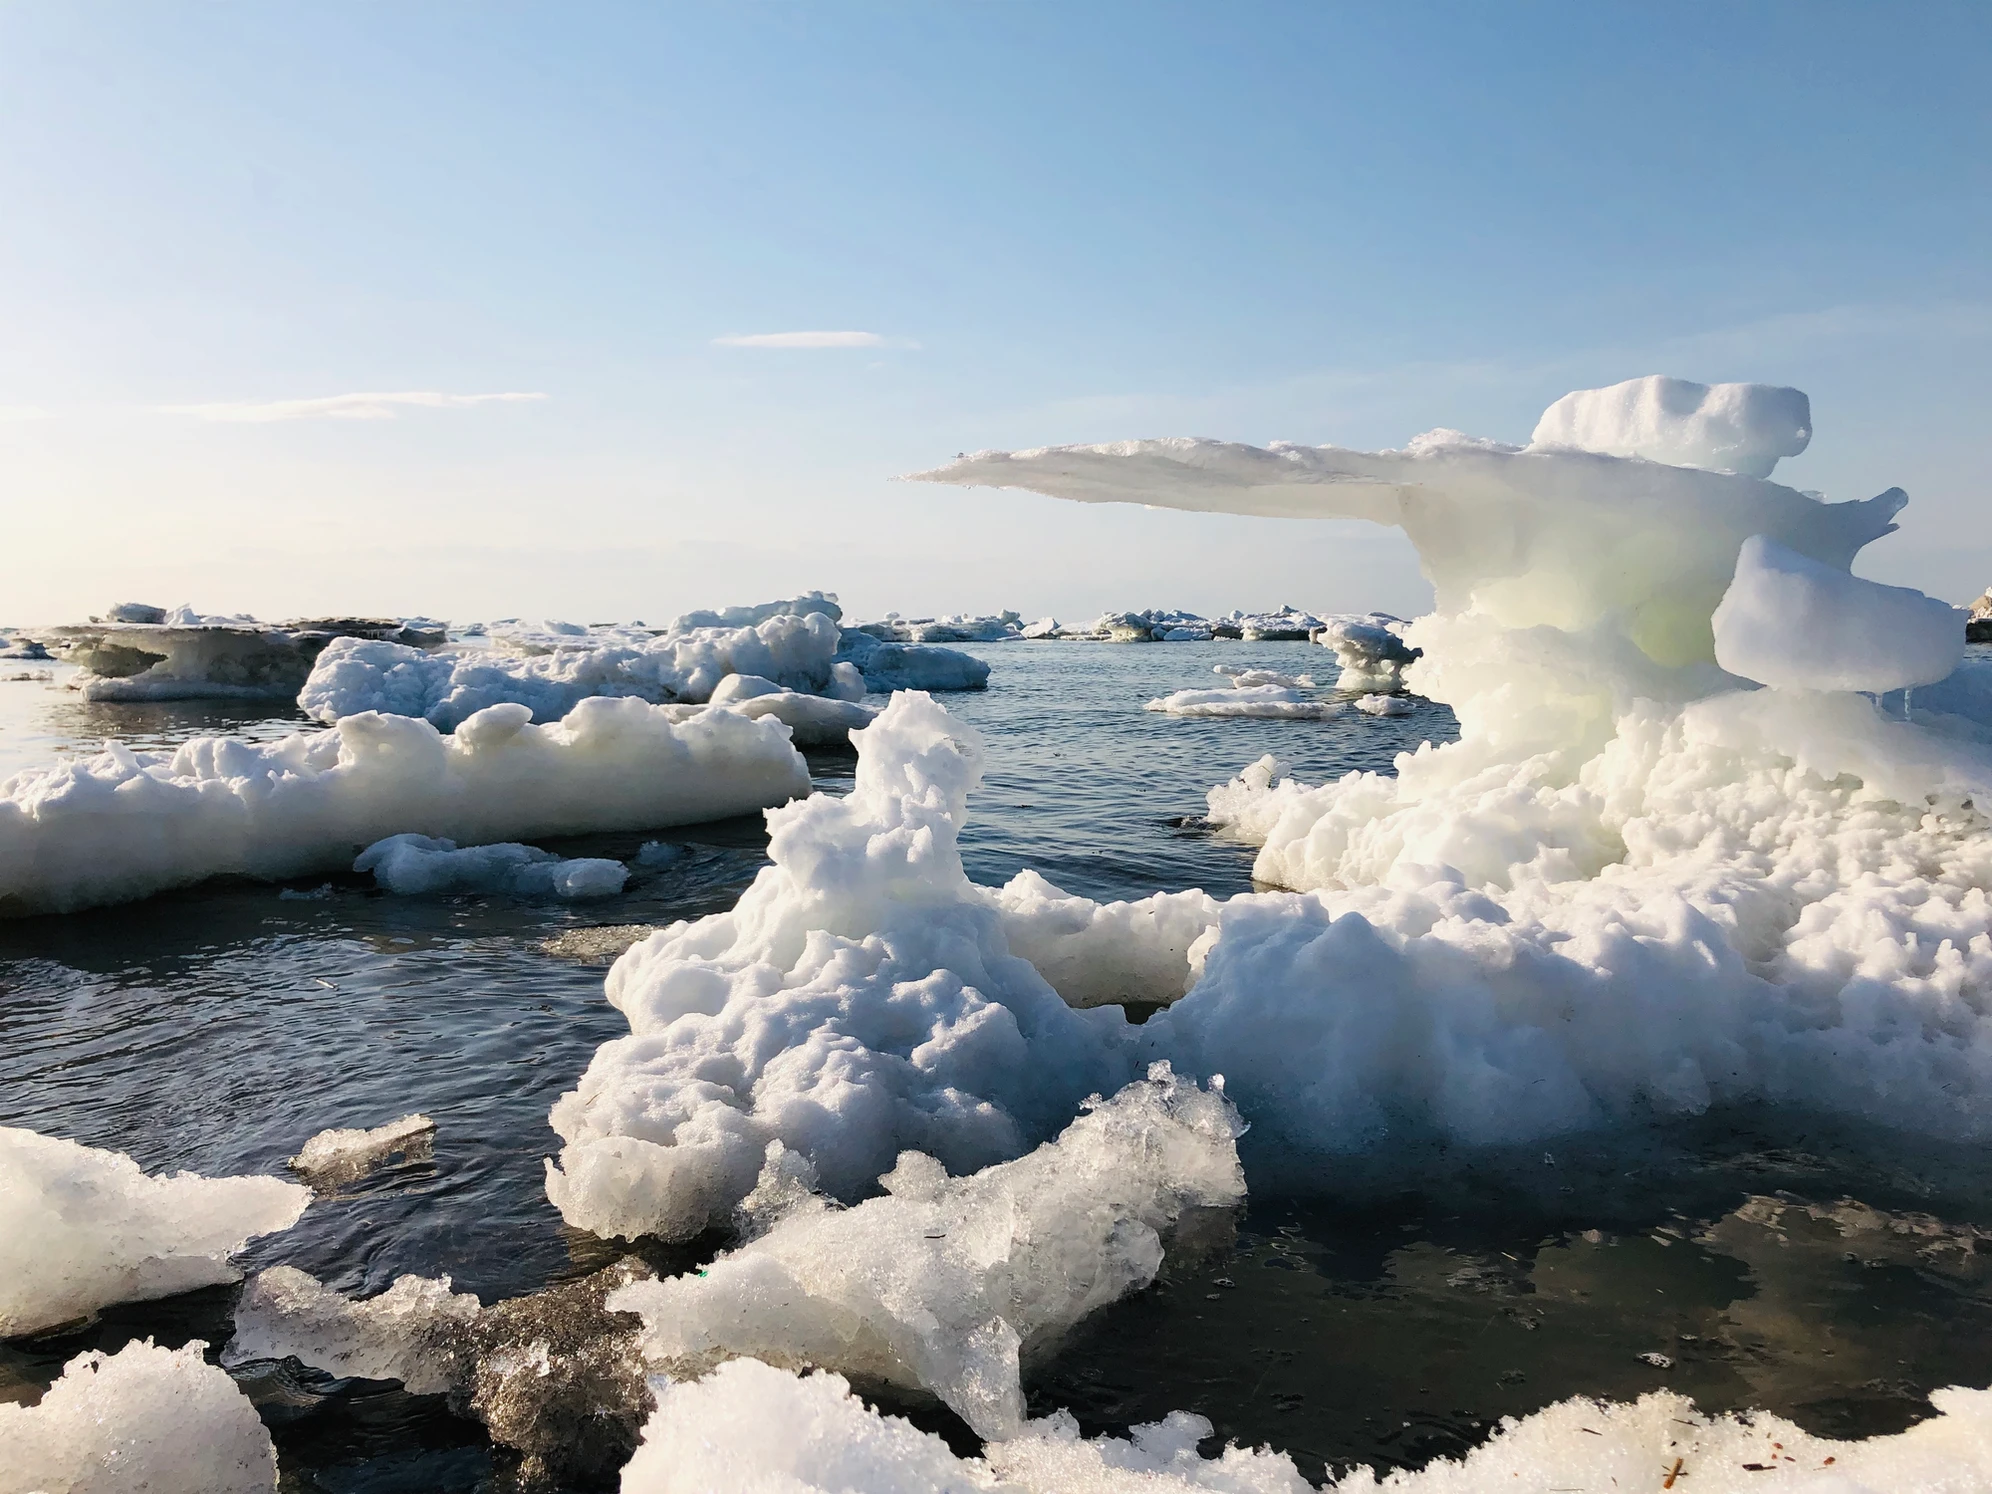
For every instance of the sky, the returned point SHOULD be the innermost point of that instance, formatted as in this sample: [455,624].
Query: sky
[485,310]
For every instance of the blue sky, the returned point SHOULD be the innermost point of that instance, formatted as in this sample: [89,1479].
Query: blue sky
[1054,222]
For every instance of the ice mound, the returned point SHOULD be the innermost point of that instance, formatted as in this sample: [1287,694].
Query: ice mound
[1742,428]
[139,652]
[164,1421]
[555,674]
[554,1374]
[954,628]
[860,1000]
[1264,702]
[757,613]
[339,1156]
[425,866]
[945,1282]
[82,1228]
[1383,705]
[889,666]
[812,720]
[1789,621]
[1144,953]
[1630,889]
[127,824]
[749,1425]
[1371,650]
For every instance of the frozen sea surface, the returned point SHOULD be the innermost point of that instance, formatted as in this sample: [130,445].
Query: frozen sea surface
[218,1028]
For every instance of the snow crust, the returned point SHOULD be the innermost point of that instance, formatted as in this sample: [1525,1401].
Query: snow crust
[425,866]
[859,1000]
[1742,428]
[340,1155]
[751,1425]
[145,1418]
[81,1228]
[944,1283]
[127,824]
[1789,621]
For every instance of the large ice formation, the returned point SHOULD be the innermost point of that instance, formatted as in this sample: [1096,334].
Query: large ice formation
[554,1374]
[424,866]
[164,1421]
[889,665]
[1632,888]
[752,1426]
[860,1000]
[944,1283]
[82,1228]
[1789,621]
[127,824]
[146,653]
[1742,428]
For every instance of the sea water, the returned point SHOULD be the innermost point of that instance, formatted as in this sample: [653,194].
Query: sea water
[217,1028]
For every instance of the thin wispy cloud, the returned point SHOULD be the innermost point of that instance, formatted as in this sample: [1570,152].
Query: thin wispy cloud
[804,340]
[365,406]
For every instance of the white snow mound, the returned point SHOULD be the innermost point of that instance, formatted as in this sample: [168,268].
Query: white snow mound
[164,1421]
[82,1228]
[943,1283]
[1789,621]
[1742,428]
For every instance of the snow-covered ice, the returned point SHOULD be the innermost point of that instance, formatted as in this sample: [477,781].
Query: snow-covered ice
[1742,428]
[945,1283]
[127,824]
[82,1228]
[1383,705]
[1789,621]
[861,999]
[960,627]
[889,666]
[749,1425]
[161,1421]
[1632,888]
[339,1155]
[1266,702]
[425,866]
[1371,650]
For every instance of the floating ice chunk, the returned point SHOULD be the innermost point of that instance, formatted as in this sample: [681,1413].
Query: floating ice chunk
[82,1228]
[1371,650]
[424,866]
[860,999]
[1789,621]
[1242,678]
[787,651]
[554,1374]
[1146,953]
[750,1425]
[812,720]
[128,824]
[955,628]
[1263,702]
[1044,627]
[164,1421]
[942,1284]
[339,1156]
[1742,428]
[886,667]
[1383,705]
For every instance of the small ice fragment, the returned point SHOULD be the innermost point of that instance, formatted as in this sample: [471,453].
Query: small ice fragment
[419,864]
[1383,705]
[1657,1359]
[145,1418]
[337,1156]
[658,853]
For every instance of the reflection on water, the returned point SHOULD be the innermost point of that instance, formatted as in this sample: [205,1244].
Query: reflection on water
[218,1027]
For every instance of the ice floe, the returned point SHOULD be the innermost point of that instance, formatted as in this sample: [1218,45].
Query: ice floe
[339,1156]
[945,1284]
[422,865]
[888,666]
[82,1228]
[127,824]
[1383,705]
[164,1421]
[1265,702]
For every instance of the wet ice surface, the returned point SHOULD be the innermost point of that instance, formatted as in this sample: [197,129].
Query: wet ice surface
[218,1028]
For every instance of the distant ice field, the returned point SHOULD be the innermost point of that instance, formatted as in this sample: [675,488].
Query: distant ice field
[218,1028]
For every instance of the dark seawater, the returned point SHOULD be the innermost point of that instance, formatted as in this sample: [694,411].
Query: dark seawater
[218,1027]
